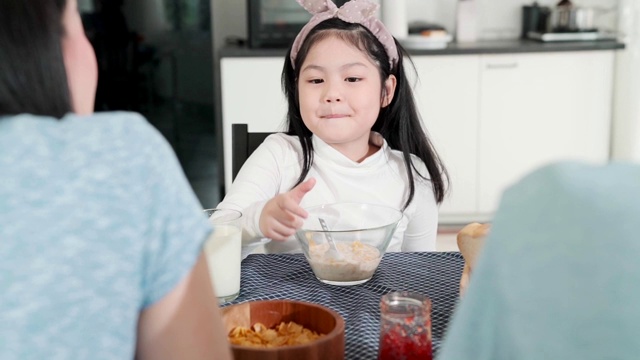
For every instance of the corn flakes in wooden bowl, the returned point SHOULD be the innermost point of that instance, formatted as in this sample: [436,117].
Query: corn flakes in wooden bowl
[284,329]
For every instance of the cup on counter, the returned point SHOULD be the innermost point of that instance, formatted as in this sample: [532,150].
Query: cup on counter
[222,251]
[405,326]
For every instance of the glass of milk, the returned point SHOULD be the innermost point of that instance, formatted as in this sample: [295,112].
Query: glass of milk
[222,250]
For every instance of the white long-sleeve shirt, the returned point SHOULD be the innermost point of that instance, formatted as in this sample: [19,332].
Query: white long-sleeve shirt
[275,165]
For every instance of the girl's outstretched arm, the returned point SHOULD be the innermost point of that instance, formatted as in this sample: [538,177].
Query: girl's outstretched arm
[268,172]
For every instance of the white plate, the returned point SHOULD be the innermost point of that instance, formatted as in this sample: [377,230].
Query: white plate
[426,42]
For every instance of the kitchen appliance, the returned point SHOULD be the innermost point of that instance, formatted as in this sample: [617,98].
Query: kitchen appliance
[566,17]
[534,18]
[564,22]
[275,23]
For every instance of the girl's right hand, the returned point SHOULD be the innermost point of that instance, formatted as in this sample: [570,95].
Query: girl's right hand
[282,215]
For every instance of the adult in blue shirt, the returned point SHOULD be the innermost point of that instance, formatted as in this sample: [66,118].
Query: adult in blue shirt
[100,234]
[559,275]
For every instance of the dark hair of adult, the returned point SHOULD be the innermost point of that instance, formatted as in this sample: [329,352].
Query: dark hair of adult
[32,74]
[399,122]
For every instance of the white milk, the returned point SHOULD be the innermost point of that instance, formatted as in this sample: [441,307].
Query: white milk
[223,257]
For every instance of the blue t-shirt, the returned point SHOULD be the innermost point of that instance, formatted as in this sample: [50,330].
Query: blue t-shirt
[97,222]
[559,277]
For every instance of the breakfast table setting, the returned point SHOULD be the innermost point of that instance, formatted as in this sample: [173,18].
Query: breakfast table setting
[289,276]
[344,296]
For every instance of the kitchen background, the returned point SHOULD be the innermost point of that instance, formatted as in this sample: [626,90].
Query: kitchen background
[160,57]
[156,57]
[497,19]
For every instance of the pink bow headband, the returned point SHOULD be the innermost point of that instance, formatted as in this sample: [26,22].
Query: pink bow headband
[356,12]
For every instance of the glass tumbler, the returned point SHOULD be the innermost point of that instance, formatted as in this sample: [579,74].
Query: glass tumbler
[405,326]
[223,252]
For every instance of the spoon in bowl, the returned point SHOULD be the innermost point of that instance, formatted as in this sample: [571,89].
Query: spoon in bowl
[332,252]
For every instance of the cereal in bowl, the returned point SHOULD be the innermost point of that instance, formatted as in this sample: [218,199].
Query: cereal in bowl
[358,261]
[283,334]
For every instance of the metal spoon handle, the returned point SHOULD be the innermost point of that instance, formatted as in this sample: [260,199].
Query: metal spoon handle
[332,243]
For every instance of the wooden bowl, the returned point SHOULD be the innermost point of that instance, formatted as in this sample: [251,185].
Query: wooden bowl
[272,312]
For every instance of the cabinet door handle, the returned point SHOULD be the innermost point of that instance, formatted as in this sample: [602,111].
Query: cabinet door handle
[502,66]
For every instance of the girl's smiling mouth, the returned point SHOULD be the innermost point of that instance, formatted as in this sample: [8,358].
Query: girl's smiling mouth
[334,116]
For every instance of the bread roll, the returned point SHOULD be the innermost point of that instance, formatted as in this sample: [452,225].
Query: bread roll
[470,241]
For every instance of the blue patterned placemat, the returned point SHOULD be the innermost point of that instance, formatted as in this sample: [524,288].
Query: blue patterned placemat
[288,276]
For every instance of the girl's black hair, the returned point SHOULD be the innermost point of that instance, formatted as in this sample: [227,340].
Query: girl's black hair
[399,122]
[32,74]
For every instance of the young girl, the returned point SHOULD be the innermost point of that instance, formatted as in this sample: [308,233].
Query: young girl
[354,135]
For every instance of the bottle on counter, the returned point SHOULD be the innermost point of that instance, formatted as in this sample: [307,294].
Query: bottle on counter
[394,17]
[467,21]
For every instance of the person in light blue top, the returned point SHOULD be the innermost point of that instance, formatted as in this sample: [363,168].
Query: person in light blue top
[559,277]
[100,234]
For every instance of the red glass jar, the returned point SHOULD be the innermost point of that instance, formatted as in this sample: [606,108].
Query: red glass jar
[405,327]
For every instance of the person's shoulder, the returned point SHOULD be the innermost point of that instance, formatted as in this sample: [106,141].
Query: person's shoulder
[557,174]
[282,139]
[122,123]
[282,144]
[121,138]
[91,132]
[397,158]
[116,117]
[420,166]
[123,128]
[577,179]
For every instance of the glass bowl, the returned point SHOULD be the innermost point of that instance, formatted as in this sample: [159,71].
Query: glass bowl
[361,234]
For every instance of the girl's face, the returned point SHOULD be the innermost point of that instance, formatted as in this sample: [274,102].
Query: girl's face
[79,60]
[340,95]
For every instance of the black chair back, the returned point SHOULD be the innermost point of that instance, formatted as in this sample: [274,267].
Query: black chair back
[243,144]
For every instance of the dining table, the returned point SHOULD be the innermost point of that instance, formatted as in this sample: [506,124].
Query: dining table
[289,276]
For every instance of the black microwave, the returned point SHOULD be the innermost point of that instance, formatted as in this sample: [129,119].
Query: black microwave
[275,23]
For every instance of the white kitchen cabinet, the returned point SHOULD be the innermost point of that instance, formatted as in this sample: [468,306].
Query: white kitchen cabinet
[538,108]
[447,98]
[251,94]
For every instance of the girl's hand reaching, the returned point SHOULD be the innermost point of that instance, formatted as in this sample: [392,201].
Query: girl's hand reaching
[282,215]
